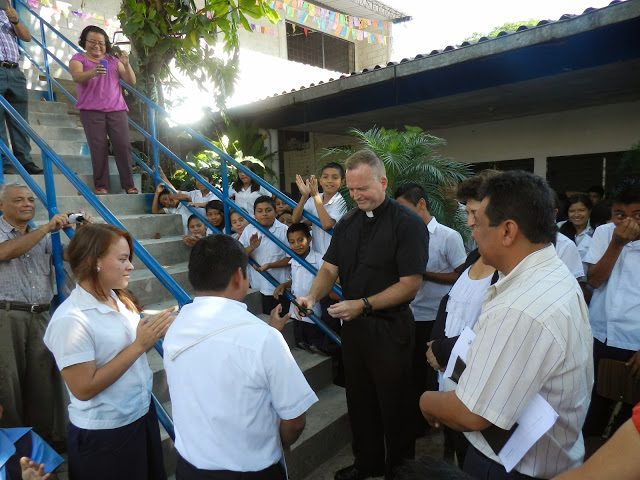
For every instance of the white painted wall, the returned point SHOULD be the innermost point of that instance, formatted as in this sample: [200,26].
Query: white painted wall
[607,128]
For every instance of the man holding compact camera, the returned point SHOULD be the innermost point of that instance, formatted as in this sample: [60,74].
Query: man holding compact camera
[13,86]
[32,391]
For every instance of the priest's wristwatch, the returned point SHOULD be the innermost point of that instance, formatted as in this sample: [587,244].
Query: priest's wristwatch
[367,309]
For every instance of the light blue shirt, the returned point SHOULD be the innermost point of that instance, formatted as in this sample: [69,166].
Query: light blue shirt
[615,306]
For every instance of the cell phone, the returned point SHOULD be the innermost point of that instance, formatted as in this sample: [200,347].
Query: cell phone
[4,4]
[103,61]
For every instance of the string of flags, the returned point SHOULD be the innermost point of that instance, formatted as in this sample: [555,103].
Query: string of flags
[64,9]
[306,14]
[325,20]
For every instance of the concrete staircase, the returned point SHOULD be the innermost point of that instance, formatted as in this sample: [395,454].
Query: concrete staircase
[327,429]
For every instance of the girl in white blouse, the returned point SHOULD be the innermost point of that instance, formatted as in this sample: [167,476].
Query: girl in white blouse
[100,344]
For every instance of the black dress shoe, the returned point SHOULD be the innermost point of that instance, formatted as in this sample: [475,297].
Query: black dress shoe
[32,168]
[354,473]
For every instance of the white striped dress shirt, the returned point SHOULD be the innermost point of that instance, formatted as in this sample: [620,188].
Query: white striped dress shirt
[533,336]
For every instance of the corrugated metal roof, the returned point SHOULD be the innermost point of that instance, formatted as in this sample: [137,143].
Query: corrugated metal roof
[371,9]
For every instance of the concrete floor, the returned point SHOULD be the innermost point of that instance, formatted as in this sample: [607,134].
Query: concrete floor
[431,444]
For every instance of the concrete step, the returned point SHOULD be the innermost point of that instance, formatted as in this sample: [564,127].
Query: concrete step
[148,289]
[52,119]
[166,250]
[64,147]
[80,164]
[65,188]
[60,132]
[47,107]
[121,203]
[327,432]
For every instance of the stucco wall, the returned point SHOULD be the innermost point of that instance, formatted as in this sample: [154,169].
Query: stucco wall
[608,128]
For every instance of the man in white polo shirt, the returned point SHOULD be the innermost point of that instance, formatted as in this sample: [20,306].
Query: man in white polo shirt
[532,337]
[446,253]
[237,395]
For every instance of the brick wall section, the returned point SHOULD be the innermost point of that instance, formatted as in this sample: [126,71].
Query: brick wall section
[309,161]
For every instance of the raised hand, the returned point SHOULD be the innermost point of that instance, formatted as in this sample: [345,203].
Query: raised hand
[150,330]
[303,187]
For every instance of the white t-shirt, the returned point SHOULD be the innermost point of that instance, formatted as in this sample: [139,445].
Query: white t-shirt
[301,280]
[197,197]
[568,253]
[446,252]
[336,207]
[465,303]
[83,330]
[614,310]
[184,212]
[231,378]
[246,198]
[267,252]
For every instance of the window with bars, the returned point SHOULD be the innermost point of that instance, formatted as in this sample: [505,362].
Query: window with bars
[315,48]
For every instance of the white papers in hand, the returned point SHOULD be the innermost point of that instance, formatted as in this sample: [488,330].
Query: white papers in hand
[533,422]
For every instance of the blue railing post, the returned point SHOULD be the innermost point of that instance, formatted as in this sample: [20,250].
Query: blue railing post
[153,127]
[43,39]
[225,193]
[56,244]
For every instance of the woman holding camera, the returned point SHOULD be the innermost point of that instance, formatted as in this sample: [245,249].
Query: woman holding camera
[102,108]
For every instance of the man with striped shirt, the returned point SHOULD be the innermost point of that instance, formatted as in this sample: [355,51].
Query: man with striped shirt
[532,337]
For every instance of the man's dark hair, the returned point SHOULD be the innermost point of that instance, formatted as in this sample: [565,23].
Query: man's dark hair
[412,192]
[427,468]
[334,165]
[163,193]
[214,205]
[469,188]
[524,198]
[596,189]
[206,174]
[214,260]
[92,28]
[627,191]
[264,199]
[600,214]
[299,227]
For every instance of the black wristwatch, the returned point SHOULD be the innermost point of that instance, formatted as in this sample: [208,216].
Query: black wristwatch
[367,309]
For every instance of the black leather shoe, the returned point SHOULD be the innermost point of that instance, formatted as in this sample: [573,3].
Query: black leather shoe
[9,171]
[32,168]
[354,473]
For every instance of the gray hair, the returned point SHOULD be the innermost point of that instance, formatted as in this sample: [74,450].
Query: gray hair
[3,188]
[366,157]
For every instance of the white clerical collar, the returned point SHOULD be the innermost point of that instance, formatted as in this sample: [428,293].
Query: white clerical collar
[369,214]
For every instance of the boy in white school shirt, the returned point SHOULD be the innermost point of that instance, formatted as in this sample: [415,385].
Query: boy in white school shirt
[252,406]
[613,260]
[266,253]
[307,334]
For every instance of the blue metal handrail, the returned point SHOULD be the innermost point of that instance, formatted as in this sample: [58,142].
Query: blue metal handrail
[158,146]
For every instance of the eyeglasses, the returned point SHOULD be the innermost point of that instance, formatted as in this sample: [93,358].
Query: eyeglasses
[94,43]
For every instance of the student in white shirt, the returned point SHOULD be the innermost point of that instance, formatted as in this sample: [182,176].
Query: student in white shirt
[307,334]
[328,206]
[238,223]
[245,191]
[446,254]
[197,230]
[238,397]
[577,228]
[99,343]
[614,273]
[163,202]
[267,254]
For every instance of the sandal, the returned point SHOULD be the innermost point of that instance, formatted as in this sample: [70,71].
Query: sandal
[101,191]
[132,191]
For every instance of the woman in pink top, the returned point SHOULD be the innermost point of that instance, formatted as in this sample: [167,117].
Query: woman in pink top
[102,108]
